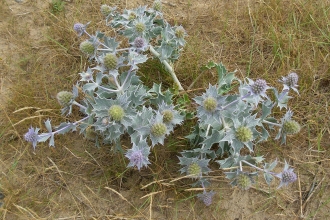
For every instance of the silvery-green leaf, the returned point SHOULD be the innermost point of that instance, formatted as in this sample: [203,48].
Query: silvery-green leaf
[48,126]
[90,86]
[268,177]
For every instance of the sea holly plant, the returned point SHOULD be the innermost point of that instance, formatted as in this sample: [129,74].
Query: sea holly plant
[231,115]
[229,122]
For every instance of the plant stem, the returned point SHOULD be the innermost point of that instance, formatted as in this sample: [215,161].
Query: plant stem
[251,165]
[167,66]
[272,123]
[78,104]
[70,124]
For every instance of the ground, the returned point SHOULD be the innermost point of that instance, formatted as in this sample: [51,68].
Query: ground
[39,55]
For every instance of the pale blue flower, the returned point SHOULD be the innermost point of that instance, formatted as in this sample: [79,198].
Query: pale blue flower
[138,155]
[32,136]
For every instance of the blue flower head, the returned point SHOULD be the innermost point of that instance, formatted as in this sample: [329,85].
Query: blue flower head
[286,176]
[206,197]
[290,81]
[80,28]
[138,155]
[32,136]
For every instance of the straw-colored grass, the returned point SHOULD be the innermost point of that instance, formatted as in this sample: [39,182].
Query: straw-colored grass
[39,56]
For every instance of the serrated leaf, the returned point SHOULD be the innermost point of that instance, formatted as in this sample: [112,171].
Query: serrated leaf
[51,141]
[268,177]
[215,137]
[90,86]
[65,127]
[48,126]
[270,166]
[44,137]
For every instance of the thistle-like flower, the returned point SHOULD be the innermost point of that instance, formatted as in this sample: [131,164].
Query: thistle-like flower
[157,5]
[206,197]
[180,32]
[171,117]
[259,87]
[140,44]
[291,127]
[244,134]
[194,167]
[116,112]
[256,91]
[286,176]
[105,10]
[110,61]
[194,170]
[32,136]
[290,81]
[140,27]
[138,155]
[87,47]
[209,107]
[64,98]
[80,28]
[244,181]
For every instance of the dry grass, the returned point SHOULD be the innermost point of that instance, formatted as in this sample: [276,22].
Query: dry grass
[77,181]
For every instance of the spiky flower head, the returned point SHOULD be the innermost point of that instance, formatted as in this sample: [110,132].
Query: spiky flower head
[79,28]
[32,136]
[65,98]
[286,176]
[194,170]
[180,32]
[138,155]
[244,134]
[116,112]
[87,47]
[291,80]
[167,116]
[105,10]
[140,27]
[90,134]
[157,5]
[291,127]
[131,16]
[158,129]
[206,197]
[110,61]
[139,42]
[210,104]
[259,87]
[243,181]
